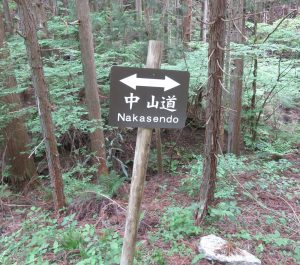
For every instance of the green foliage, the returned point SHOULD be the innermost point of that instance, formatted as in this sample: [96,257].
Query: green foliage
[227,165]
[81,187]
[4,192]
[156,257]
[111,183]
[41,237]
[228,210]
[178,223]
[71,240]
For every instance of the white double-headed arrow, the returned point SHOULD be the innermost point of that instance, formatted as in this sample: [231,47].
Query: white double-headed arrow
[133,81]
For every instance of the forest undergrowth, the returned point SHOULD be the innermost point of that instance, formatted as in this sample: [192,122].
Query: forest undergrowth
[256,208]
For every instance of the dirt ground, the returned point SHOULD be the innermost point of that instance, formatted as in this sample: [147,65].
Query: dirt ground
[161,192]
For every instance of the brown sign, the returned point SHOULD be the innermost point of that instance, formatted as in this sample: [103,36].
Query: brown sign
[148,98]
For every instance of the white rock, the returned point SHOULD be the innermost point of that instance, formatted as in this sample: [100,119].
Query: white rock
[215,248]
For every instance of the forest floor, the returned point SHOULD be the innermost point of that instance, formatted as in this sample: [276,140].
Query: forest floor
[266,208]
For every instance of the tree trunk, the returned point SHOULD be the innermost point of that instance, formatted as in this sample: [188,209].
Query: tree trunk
[8,19]
[53,7]
[42,97]
[40,16]
[236,35]
[226,95]
[147,21]
[204,18]
[65,7]
[187,21]
[90,82]
[213,109]
[178,22]
[16,138]
[253,128]
[139,9]
[2,30]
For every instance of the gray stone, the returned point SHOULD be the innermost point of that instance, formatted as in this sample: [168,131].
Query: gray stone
[218,249]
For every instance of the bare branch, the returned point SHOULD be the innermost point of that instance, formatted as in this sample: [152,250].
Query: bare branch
[222,48]
[34,150]
[209,57]
[222,85]
[206,22]
[283,19]
[239,30]
[222,69]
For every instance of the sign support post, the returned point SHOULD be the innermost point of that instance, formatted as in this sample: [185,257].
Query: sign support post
[159,158]
[142,150]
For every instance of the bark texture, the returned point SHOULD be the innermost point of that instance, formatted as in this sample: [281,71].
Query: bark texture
[213,109]
[90,82]
[42,98]
[65,7]
[139,9]
[187,21]
[236,10]
[40,15]
[8,18]
[16,138]
[204,18]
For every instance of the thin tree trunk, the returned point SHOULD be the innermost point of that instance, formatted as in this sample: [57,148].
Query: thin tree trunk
[8,19]
[187,21]
[2,30]
[214,96]
[147,21]
[226,88]
[205,16]
[234,124]
[90,82]
[139,9]
[53,7]
[160,169]
[65,7]
[168,23]
[253,101]
[42,97]
[254,85]
[16,138]
[40,16]
[178,22]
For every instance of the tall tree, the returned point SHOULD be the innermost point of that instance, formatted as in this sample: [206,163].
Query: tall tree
[236,15]
[187,21]
[90,82]
[65,7]
[254,82]
[16,139]
[8,18]
[226,87]
[178,17]
[52,4]
[204,18]
[139,9]
[214,94]
[39,9]
[42,98]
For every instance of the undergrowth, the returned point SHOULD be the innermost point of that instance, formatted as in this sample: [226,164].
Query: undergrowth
[43,240]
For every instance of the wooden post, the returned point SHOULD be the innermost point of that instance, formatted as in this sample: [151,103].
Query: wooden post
[139,170]
[160,169]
